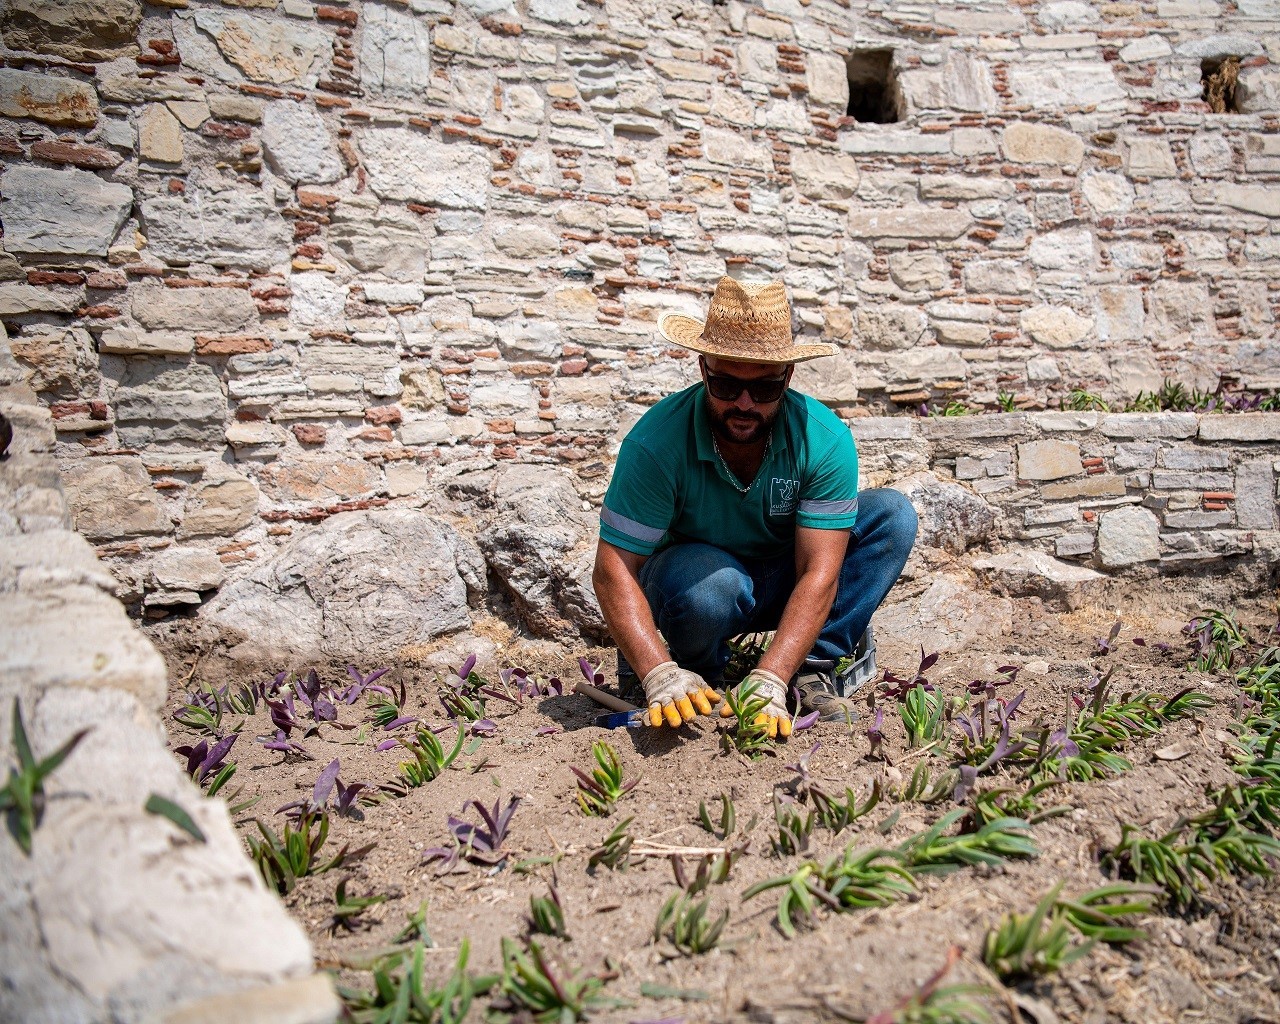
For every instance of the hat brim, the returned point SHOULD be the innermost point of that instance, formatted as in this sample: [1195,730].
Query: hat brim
[686,331]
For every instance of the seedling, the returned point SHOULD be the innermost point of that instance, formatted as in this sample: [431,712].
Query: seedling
[921,713]
[935,1003]
[747,732]
[713,869]
[728,817]
[364,684]
[684,923]
[615,851]
[347,910]
[415,928]
[429,757]
[531,986]
[1214,638]
[919,788]
[852,880]
[201,712]
[931,852]
[600,791]
[402,995]
[282,860]
[327,782]
[1042,942]
[546,914]
[22,800]
[795,827]
[1003,803]
[1099,914]
[386,706]
[838,814]
[897,687]
[203,759]
[745,653]
[479,844]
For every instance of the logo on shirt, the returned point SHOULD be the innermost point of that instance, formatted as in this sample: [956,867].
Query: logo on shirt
[782,496]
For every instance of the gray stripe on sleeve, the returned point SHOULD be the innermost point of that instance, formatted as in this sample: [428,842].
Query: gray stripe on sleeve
[829,508]
[637,531]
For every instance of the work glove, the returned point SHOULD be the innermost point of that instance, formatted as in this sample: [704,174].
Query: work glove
[676,694]
[773,716]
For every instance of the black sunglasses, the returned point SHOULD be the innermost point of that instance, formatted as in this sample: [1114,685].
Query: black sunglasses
[727,388]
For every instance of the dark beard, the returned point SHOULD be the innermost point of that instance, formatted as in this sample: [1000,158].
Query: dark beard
[720,425]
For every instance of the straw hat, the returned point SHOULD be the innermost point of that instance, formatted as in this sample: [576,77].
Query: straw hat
[747,322]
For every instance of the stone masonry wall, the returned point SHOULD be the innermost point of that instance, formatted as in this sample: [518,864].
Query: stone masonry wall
[115,915]
[268,260]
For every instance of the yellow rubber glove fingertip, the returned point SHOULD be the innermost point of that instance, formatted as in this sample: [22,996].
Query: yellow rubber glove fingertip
[685,707]
[700,703]
[672,716]
[784,727]
[655,715]
[770,724]
[712,696]
[726,711]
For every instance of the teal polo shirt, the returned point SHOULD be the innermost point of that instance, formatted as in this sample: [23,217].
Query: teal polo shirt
[669,487]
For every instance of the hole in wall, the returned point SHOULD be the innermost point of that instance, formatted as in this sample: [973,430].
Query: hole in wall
[874,96]
[1218,79]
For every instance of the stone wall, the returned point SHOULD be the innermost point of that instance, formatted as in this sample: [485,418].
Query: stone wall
[115,915]
[268,260]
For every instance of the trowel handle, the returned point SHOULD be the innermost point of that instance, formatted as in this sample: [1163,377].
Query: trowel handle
[608,700]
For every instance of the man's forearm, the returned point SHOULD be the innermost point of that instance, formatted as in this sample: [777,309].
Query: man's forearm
[802,620]
[626,613]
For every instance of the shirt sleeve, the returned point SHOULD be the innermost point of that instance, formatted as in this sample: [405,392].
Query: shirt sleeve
[640,503]
[829,493]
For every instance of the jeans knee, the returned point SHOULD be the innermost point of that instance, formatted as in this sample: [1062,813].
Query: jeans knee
[891,511]
[713,602]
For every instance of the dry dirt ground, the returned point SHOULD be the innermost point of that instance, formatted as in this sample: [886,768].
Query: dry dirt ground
[1221,964]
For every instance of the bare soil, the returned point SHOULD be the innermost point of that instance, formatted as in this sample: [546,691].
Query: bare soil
[1219,966]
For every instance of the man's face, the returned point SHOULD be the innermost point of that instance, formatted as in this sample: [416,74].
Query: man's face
[743,419]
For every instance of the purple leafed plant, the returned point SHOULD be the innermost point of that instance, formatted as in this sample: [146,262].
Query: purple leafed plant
[363,684]
[479,844]
[1105,647]
[525,685]
[875,733]
[898,687]
[1004,748]
[203,759]
[281,742]
[591,672]
[326,784]
[484,727]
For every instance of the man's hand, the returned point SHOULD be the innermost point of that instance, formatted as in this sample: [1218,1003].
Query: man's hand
[676,694]
[773,716]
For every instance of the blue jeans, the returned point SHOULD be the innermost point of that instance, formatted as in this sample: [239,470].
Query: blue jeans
[701,595]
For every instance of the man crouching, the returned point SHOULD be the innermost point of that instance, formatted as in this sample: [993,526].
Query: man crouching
[730,511]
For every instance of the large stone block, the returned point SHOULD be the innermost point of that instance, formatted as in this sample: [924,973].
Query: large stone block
[1258,199]
[736,149]
[157,403]
[363,584]
[909,222]
[1066,249]
[1056,326]
[298,145]
[228,228]
[1128,536]
[1120,313]
[962,82]
[1150,158]
[78,30]
[48,98]
[278,50]
[1150,424]
[1256,495]
[1048,460]
[205,310]
[383,239]
[395,50]
[403,164]
[1108,193]
[60,212]
[952,517]
[1067,84]
[819,174]
[1249,426]
[112,497]
[1060,585]
[890,326]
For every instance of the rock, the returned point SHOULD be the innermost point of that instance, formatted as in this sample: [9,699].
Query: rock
[48,98]
[1156,424]
[380,239]
[298,146]
[1127,536]
[395,51]
[951,516]
[60,363]
[527,241]
[948,616]
[736,149]
[1108,193]
[926,366]
[159,135]
[909,222]
[890,327]
[78,30]
[219,506]
[1210,153]
[362,584]
[63,212]
[1003,277]
[1067,249]
[193,309]
[823,175]
[1145,49]
[1048,460]
[827,78]
[1219,47]
[1056,326]
[960,83]
[541,546]
[1248,426]
[111,497]
[1150,158]
[129,341]
[157,403]
[187,569]
[19,299]
[1060,585]
[1076,83]
[1120,313]
[403,164]
[1258,90]
[226,228]
[235,108]
[309,1000]
[919,271]
[1249,198]
[831,381]
[559,12]
[319,477]
[276,50]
